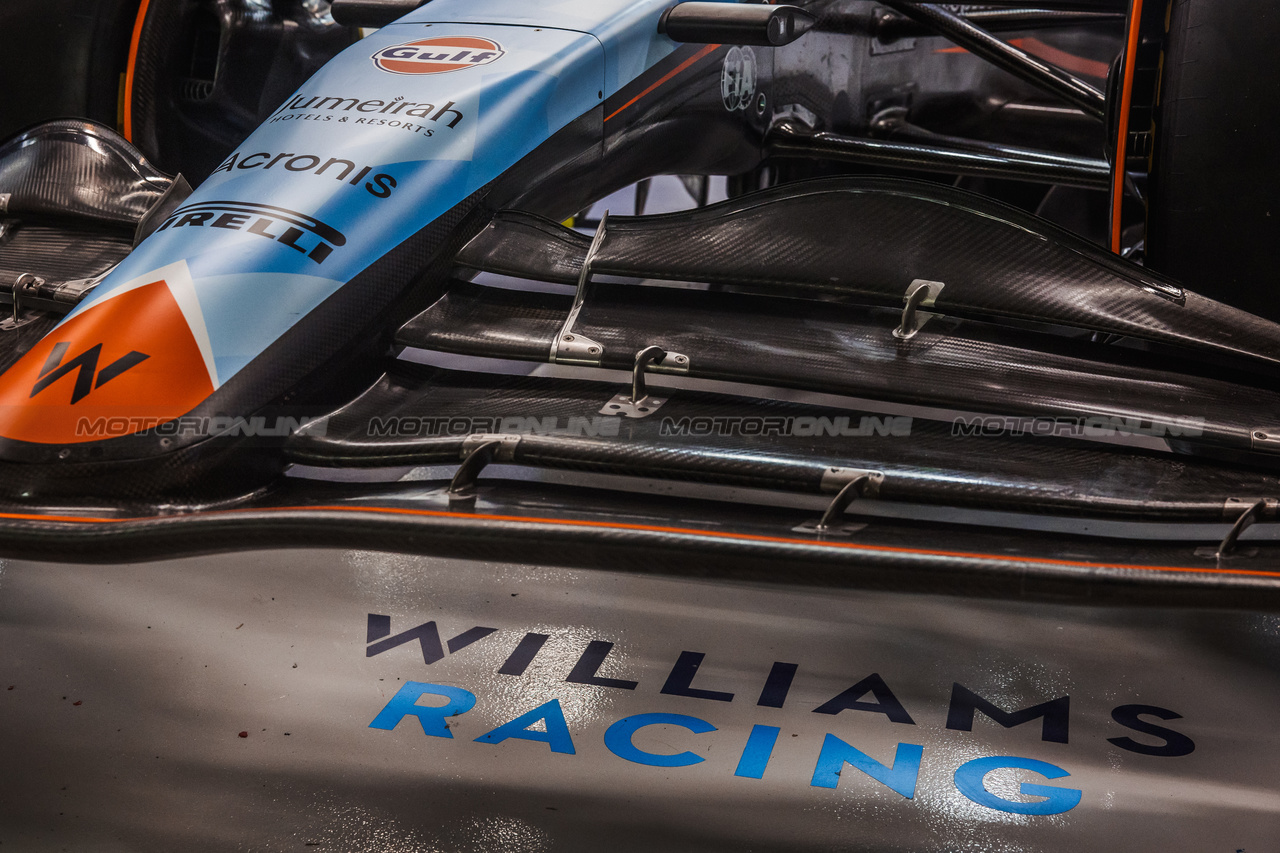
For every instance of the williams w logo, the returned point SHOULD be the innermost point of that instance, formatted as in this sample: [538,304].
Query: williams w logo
[88,377]
[428,638]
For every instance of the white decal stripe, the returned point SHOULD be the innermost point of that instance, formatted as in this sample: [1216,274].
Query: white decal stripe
[96,298]
[178,277]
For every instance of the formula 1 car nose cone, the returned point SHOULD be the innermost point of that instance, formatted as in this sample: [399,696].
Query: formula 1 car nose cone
[129,363]
[438,55]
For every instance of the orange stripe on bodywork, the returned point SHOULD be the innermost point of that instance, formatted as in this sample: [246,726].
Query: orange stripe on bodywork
[665,78]
[1126,103]
[1049,53]
[684,531]
[129,69]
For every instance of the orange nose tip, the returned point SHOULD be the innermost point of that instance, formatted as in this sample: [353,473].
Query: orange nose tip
[122,366]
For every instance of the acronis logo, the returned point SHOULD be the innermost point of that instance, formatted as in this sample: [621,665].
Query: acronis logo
[438,55]
[335,168]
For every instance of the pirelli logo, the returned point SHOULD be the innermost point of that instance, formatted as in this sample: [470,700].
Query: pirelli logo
[298,231]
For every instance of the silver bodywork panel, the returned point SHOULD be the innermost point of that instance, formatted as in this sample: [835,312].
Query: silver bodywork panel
[124,690]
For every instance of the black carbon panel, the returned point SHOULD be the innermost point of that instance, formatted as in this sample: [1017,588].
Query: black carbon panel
[14,343]
[59,254]
[489,321]
[516,243]
[736,543]
[867,239]
[422,416]
[842,349]
[81,169]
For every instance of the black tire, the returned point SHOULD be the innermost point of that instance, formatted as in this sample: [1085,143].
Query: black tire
[210,71]
[1214,216]
[62,59]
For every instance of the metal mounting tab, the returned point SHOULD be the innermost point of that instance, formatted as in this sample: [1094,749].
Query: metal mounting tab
[638,404]
[835,479]
[644,358]
[1265,439]
[24,287]
[1245,512]
[851,492]
[569,347]
[852,484]
[1259,509]
[622,404]
[920,294]
[577,349]
[1233,508]
[462,489]
[505,452]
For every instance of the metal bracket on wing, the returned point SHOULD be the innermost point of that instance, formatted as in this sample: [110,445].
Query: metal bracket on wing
[849,484]
[638,404]
[25,285]
[835,479]
[478,451]
[1245,511]
[505,452]
[30,294]
[568,347]
[1265,439]
[920,294]
[1260,508]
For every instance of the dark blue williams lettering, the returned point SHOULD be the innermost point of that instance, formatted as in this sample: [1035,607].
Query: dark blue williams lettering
[886,703]
[681,678]
[1056,714]
[777,685]
[584,671]
[1130,716]
[426,634]
[528,648]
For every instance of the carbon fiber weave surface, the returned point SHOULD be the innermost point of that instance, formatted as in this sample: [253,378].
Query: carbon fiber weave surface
[420,415]
[867,239]
[61,254]
[80,169]
[961,365]
[516,243]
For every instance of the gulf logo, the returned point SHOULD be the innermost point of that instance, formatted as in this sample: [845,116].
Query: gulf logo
[438,55]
